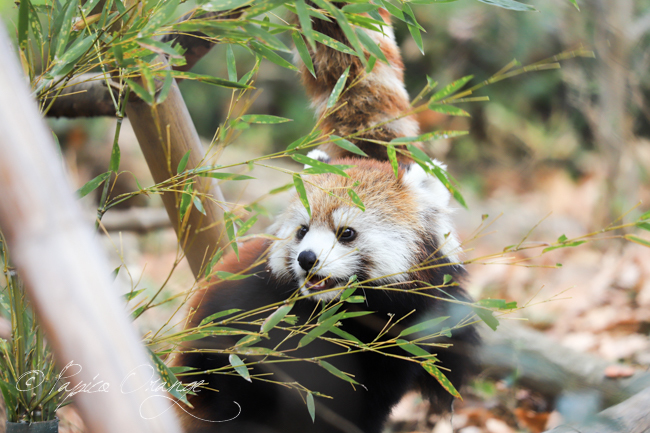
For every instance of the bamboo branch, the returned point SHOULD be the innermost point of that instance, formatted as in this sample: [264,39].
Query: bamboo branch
[65,272]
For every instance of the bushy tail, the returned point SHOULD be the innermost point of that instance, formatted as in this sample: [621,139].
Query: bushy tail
[377,96]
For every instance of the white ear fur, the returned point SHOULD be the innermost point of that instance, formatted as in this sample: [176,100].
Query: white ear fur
[427,184]
[318,155]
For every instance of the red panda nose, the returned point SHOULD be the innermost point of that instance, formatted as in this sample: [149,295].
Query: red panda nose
[307,260]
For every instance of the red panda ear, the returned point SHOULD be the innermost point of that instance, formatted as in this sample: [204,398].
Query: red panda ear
[426,184]
[318,155]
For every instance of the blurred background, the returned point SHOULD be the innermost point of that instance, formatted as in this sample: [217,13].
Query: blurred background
[568,149]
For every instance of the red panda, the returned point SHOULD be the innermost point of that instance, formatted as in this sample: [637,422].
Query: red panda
[404,239]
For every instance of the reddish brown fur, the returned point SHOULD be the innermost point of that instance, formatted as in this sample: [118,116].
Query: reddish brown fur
[363,105]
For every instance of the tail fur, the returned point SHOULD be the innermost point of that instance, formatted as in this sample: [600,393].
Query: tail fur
[377,97]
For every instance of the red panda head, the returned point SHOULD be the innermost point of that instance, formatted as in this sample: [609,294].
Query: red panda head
[382,245]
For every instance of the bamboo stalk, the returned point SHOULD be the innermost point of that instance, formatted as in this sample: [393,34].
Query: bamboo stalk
[66,273]
[166,133]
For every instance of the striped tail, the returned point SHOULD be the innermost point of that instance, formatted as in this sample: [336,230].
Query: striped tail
[378,96]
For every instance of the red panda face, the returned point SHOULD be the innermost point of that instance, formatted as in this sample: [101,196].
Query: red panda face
[381,245]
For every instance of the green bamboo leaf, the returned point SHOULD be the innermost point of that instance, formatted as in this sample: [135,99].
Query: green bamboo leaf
[230,233]
[305,22]
[159,47]
[264,119]
[338,88]
[220,314]
[421,327]
[311,407]
[210,80]
[239,367]
[231,64]
[303,52]
[223,5]
[62,28]
[446,279]
[114,163]
[68,58]
[638,240]
[225,176]
[414,349]
[92,185]
[645,216]
[318,166]
[186,199]
[371,45]
[23,23]
[435,135]
[166,87]
[333,43]
[431,368]
[347,336]
[213,262]
[417,37]
[510,4]
[575,4]
[263,6]
[450,88]
[275,318]
[132,294]
[270,55]
[448,109]
[198,205]
[392,157]
[140,91]
[302,193]
[271,40]
[319,330]
[183,162]
[356,200]
[643,225]
[565,245]
[169,378]
[336,372]
[347,145]
[488,317]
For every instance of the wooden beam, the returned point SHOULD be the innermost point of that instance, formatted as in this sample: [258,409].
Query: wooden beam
[65,271]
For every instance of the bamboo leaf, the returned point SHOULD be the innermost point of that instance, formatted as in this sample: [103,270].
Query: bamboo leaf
[338,88]
[448,109]
[302,193]
[431,368]
[371,45]
[231,64]
[303,52]
[319,166]
[510,4]
[220,314]
[305,22]
[275,318]
[311,407]
[435,135]
[169,378]
[638,240]
[336,372]
[421,327]
[356,200]
[92,185]
[264,119]
[210,80]
[239,367]
[347,145]
[451,88]
[488,317]
[392,157]
[270,55]
[333,43]
[183,162]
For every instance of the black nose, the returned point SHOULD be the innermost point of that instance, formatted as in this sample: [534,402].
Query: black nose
[307,260]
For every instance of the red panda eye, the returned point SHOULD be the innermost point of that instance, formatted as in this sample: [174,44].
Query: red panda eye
[346,234]
[302,231]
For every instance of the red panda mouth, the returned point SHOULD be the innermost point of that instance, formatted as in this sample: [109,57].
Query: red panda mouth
[319,283]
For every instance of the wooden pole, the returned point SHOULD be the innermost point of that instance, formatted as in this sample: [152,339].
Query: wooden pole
[166,133]
[66,273]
